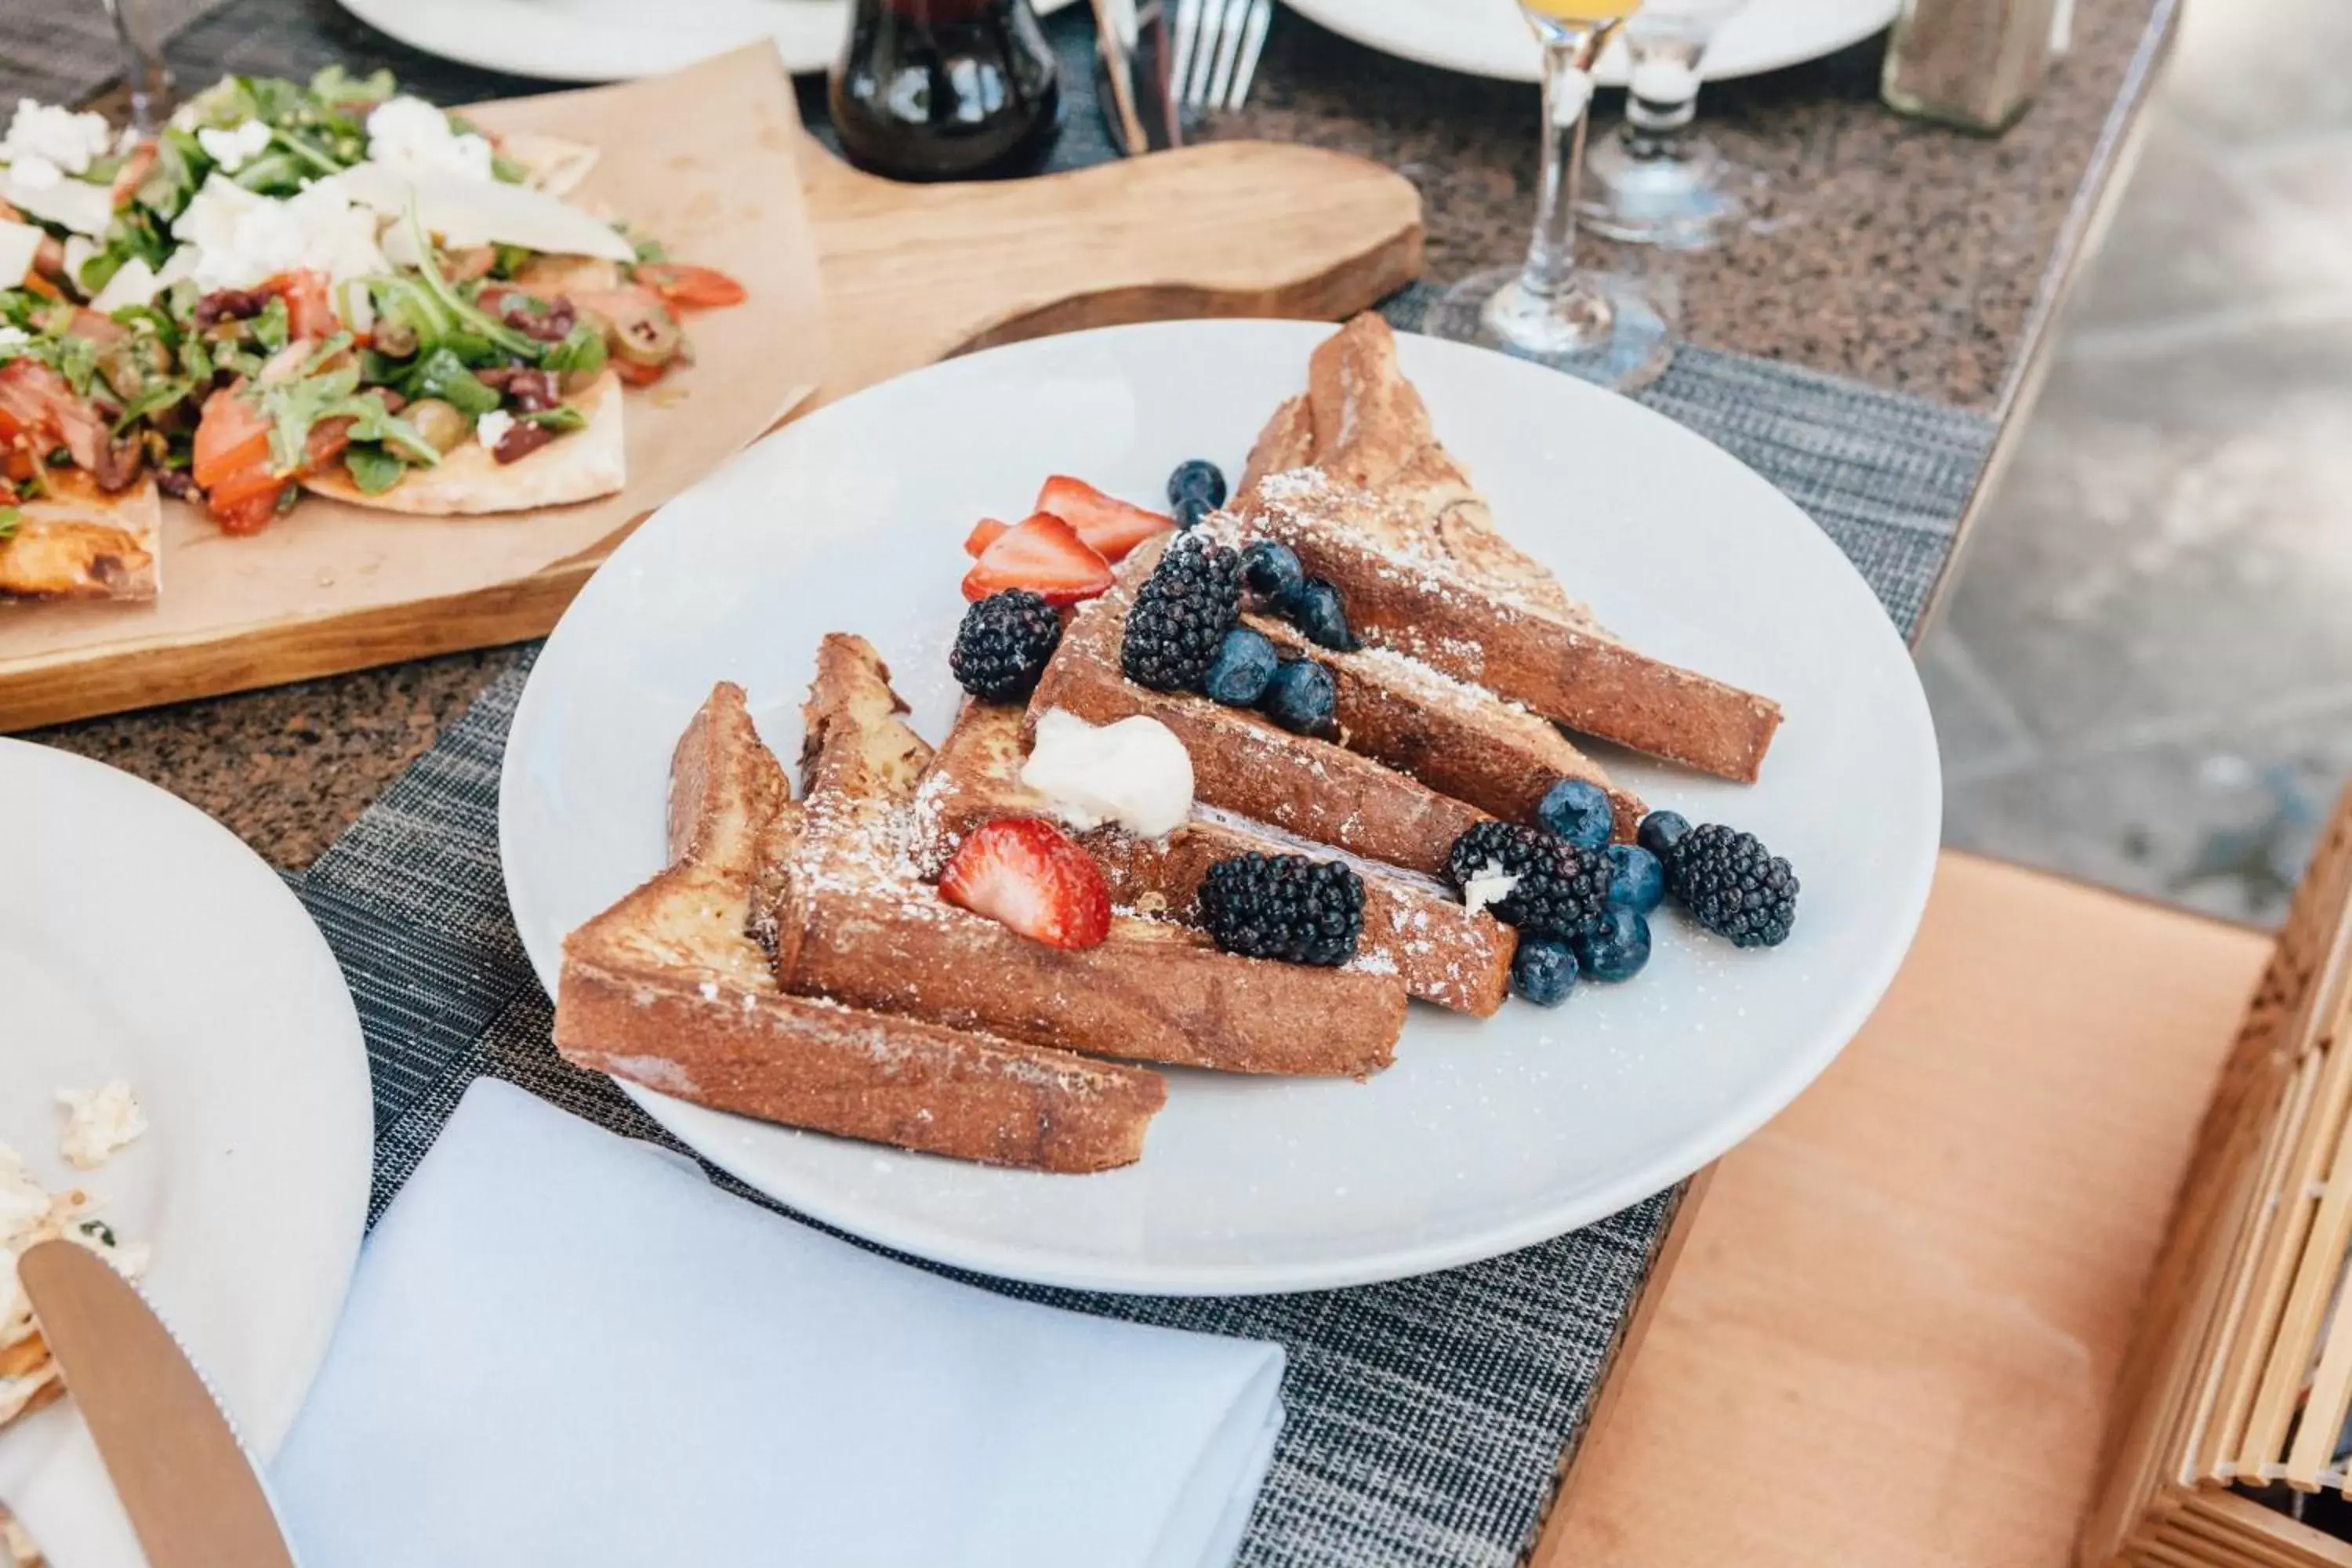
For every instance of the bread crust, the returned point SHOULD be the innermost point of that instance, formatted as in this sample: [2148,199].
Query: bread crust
[672,989]
[1402,598]
[1444,953]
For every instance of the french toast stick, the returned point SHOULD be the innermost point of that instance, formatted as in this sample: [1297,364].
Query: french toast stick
[670,989]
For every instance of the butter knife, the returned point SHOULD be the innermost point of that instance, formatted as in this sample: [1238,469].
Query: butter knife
[1131,76]
[193,1496]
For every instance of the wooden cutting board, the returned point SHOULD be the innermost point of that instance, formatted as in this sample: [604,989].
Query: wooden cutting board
[910,274]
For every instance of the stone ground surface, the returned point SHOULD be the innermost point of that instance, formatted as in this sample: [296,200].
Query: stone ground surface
[2144,675]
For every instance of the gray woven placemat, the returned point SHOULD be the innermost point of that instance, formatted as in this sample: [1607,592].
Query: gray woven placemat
[1429,1418]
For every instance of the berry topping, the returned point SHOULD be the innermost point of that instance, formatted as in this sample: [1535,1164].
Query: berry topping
[1732,884]
[1197,477]
[1556,890]
[1191,512]
[1110,525]
[1314,609]
[1544,972]
[1636,880]
[1285,907]
[1045,556]
[1182,614]
[983,533]
[1579,811]
[1659,830]
[1246,662]
[1301,698]
[1032,877]
[1271,569]
[1002,645]
[1616,948]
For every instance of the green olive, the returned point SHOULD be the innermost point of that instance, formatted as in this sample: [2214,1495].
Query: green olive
[438,422]
[393,341]
[644,332]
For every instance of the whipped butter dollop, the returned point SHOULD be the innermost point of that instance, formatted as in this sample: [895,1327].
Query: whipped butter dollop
[1135,773]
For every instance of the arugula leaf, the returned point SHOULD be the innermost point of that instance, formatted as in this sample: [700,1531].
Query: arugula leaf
[76,359]
[372,423]
[441,373]
[408,303]
[9,520]
[273,329]
[338,88]
[511,259]
[180,164]
[157,398]
[372,468]
[468,315]
[582,349]
[559,419]
[307,152]
[272,174]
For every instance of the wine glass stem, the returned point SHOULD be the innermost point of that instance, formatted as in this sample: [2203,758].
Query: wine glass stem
[1569,54]
[143,71]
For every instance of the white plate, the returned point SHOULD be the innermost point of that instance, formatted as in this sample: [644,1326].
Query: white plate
[1484,1137]
[612,40]
[140,939]
[1490,38]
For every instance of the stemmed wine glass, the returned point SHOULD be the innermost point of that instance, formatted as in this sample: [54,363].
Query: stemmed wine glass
[1655,181]
[1606,327]
[143,71]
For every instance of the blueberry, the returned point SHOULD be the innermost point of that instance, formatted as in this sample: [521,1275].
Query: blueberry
[1301,696]
[1199,477]
[1659,830]
[1544,972]
[1636,880]
[1191,510]
[1314,609]
[1579,811]
[1246,662]
[1616,948]
[1271,568]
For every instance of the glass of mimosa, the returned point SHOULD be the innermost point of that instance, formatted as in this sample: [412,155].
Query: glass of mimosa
[1607,327]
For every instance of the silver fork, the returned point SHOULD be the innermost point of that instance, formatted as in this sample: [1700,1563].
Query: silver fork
[1217,45]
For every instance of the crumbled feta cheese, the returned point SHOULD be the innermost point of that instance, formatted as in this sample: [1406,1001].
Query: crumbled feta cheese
[133,283]
[99,1123]
[492,428]
[236,147]
[67,142]
[19,242]
[30,1214]
[412,135]
[233,238]
[1490,885]
[33,172]
[36,186]
[79,249]
[13,337]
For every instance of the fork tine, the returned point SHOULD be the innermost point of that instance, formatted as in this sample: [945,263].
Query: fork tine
[1229,47]
[1260,16]
[1204,58]
[1185,32]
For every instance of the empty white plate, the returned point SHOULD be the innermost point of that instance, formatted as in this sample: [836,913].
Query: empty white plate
[1485,1136]
[1490,38]
[140,940]
[613,40]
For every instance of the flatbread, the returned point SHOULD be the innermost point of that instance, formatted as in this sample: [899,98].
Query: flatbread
[555,165]
[576,466]
[80,542]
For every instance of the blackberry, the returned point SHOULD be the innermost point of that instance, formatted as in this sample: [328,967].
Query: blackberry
[1562,890]
[1182,614]
[1285,907]
[1002,645]
[1732,885]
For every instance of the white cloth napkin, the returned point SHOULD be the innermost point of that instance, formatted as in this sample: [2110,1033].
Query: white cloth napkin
[566,1347]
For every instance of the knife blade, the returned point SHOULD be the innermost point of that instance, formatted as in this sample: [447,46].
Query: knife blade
[193,1497]
[1131,76]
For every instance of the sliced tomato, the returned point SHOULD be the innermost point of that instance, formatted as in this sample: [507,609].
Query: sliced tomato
[697,287]
[309,307]
[1112,526]
[982,535]
[134,170]
[42,286]
[232,462]
[100,329]
[37,405]
[1043,554]
[328,439]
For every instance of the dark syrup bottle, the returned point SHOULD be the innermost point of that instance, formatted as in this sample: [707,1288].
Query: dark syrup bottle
[946,89]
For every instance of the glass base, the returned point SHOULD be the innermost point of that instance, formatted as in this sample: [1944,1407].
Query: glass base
[1609,328]
[1686,203]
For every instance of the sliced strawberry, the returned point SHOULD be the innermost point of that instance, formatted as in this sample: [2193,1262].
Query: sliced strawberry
[1109,524]
[1043,554]
[983,534]
[1028,875]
